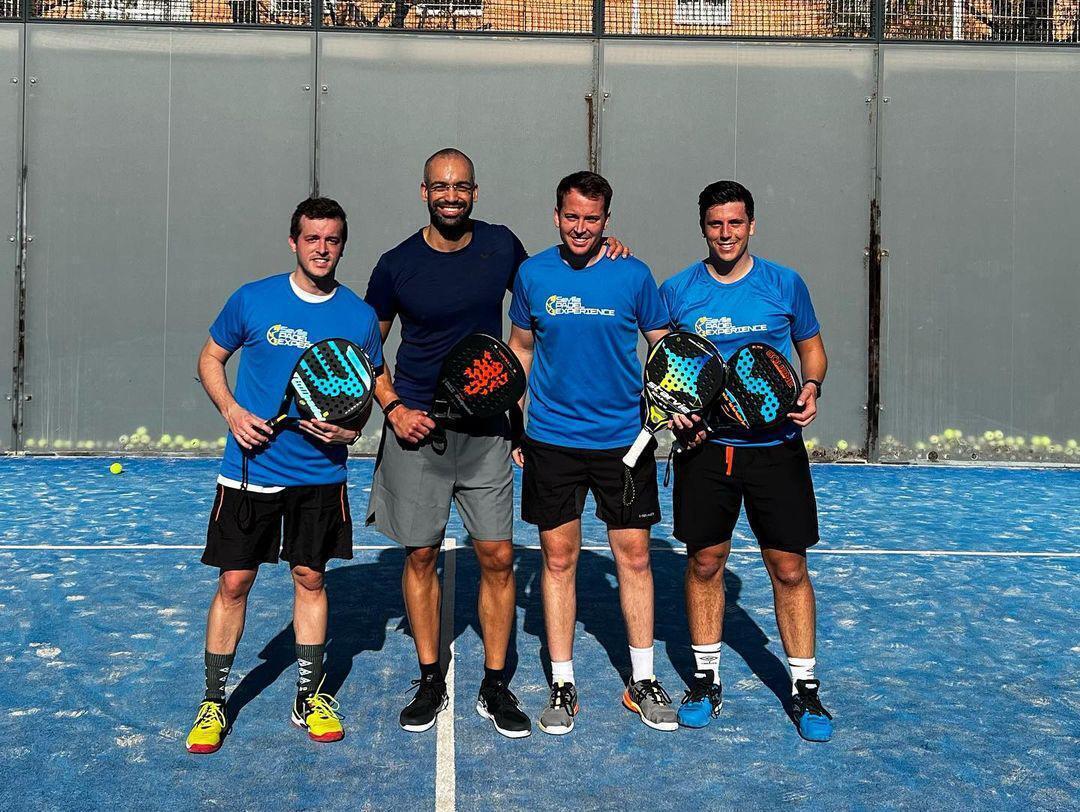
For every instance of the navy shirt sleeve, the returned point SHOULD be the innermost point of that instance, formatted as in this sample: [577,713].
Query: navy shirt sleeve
[229,330]
[520,255]
[651,313]
[380,291]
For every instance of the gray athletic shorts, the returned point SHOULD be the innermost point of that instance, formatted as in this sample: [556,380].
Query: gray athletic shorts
[413,486]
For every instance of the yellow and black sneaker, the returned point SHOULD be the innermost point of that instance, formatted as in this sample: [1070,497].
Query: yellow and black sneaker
[317,713]
[209,729]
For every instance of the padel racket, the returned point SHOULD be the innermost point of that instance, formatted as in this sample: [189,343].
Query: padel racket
[762,387]
[480,377]
[683,374]
[333,381]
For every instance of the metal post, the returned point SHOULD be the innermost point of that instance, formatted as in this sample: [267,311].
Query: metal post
[877,20]
[875,254]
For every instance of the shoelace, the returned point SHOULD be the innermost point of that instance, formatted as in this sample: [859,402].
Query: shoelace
[810,702]
[500,694]
[210,712]
[698,691]
[323,704]
[425,688]
[562,696]
[654,691]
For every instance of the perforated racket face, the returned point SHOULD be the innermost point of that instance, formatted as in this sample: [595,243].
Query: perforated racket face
[761,389]
[480,377]
[333,381]
[687,368]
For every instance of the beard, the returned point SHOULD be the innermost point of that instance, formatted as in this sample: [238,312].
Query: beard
[446,225]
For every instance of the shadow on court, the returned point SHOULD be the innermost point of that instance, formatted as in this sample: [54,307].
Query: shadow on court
[600,615]
[364,599]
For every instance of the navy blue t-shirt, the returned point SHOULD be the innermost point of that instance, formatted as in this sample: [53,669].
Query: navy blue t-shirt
[771,304]
[441,297]
[271,323]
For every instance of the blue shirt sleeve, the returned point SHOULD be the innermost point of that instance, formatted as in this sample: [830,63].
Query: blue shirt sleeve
[519,306]
[373,346]
[380,291]
[804,320]
[229,330]
[651,312]
[667,296]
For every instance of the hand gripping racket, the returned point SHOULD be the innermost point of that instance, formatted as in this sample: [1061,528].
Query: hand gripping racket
[333,381]
[762,387]
[480,377]
[683,374]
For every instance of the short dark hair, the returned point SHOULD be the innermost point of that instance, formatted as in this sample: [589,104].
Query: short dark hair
[450,152]
[319,208]
[721,192]
[589,184]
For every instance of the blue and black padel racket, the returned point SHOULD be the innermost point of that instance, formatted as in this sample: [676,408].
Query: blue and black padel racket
[762,387]
[333,381]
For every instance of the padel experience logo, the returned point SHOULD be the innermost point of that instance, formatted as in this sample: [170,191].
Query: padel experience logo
[572,306]
[281,336]
[707,326]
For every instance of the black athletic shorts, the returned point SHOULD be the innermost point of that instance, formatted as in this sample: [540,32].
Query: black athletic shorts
[317,527]
[711,482]
[555,481]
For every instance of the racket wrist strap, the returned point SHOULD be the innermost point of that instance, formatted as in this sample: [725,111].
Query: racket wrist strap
[389,407]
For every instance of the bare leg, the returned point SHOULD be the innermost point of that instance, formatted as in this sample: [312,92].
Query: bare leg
[420,586]
[495,604]
[561,547]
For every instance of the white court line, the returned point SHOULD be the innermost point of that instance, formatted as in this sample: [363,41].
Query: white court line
[445,768]
[591,547]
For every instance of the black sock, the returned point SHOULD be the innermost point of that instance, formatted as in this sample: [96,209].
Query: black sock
[493,675]
[217,674]
[309,663]
[430,672]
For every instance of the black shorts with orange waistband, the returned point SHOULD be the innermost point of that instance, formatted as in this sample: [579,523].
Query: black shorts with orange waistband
[305,525]
[712,482]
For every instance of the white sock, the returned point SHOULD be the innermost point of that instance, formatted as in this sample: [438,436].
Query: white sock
[801,668]
[707,658]
[562,672]
[641,659]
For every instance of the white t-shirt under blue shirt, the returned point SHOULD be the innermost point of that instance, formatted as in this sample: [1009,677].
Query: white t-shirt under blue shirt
[272,322]
[771,304]
[585,381]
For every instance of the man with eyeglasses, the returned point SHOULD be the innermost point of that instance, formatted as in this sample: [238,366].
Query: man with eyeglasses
[446,281]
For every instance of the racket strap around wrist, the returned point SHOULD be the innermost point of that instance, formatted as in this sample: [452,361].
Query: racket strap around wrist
[389,407]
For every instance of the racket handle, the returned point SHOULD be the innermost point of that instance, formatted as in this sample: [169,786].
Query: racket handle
[277,421]
[677,447]
[631,457]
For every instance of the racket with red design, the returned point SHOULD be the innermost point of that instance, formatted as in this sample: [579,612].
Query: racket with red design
[480,377]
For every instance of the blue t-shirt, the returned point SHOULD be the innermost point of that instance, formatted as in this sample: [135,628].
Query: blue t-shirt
[770,304]
[273,326]
[441,297]
[585,382]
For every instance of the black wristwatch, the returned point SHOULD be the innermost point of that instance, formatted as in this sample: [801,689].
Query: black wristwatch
[389,407]
[817,384]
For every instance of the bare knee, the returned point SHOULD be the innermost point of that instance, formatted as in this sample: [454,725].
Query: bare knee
[307,579]
[707,563]
[234,585]
[561,561]
[634,560]
[420,561]
[789,572]
[496,559]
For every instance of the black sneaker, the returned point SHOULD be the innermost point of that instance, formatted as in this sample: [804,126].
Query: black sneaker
[812,720]
[419,715]
[498,703]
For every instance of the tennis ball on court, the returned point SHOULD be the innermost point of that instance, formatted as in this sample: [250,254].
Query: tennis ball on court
[116,468]
[810,444]
[920,446]
[1020,441]
[999,435]
[988,436]
[934,439]
[220,442]
[195,443]
[142,430]
[166,439]
[31,442]
[180,440]
[841,445]
[1071,444]
[122,439]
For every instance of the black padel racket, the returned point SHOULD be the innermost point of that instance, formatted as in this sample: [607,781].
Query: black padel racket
[762,387]
[480,377]
[683,374]
[333,381]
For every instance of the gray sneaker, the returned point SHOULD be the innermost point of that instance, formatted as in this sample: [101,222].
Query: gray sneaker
[650,701]
[558,717]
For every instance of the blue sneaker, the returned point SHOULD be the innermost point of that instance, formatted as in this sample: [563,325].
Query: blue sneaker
[811,718]
[702,702]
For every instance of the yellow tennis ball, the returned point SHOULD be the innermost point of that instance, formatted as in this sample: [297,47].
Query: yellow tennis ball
[841,445]
[166,439]
[116,468]
[220,442]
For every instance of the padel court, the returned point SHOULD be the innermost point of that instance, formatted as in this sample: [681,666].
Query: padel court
[947,649]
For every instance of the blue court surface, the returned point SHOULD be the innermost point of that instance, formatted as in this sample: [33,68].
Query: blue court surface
[947,650]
